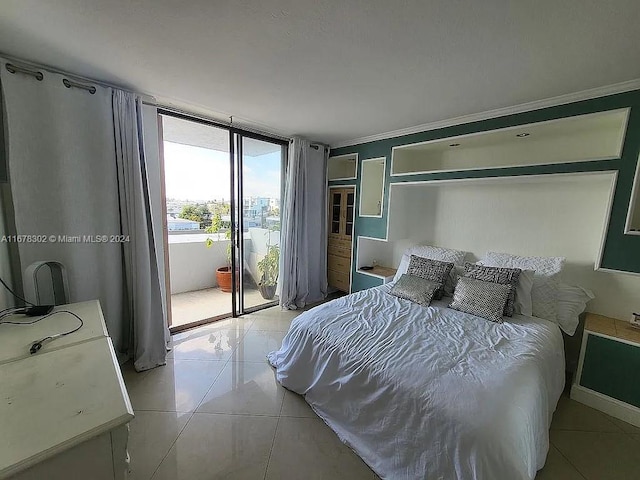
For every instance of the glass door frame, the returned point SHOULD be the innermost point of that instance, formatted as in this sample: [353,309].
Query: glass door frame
[236,135]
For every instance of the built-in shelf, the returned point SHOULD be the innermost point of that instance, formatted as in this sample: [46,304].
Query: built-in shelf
[612,327]
[372,187]
[581,138]
[633,216]
[383,273]
[342,167]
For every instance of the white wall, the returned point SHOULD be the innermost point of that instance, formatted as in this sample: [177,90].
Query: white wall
[551,216]
[193,265]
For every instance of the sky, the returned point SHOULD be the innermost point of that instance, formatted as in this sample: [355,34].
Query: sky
[197,174]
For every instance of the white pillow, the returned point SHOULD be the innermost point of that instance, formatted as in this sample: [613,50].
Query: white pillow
[544,294]
[523,304]
[434,253]
[571,303]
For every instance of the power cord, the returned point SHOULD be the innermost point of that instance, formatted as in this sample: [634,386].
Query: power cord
[37,345]
[27,302]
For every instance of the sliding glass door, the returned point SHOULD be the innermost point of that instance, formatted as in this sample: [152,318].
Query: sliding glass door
[222,234]
[260,193]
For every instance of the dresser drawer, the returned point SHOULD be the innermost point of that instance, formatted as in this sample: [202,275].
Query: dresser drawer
[338,263]
[339,242]
[340,251]
[339,280]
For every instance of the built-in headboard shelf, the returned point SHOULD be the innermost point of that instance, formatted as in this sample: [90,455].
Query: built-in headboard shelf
[596,136]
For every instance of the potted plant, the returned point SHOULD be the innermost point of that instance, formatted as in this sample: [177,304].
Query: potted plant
[223,274]
[268,270]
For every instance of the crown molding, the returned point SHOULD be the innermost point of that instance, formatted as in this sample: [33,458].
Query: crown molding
[499,112]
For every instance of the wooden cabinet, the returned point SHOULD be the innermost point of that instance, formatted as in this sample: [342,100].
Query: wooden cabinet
[341,204]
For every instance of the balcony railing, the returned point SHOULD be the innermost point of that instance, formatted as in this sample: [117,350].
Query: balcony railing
[193,271]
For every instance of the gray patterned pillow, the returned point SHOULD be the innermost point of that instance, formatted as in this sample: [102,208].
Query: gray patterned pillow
[432,270]
[503,276]
[482,299]
[416,289]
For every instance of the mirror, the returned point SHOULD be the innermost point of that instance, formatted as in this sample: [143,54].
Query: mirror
[372,187]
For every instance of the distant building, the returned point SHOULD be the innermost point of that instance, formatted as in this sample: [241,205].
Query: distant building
[181,224]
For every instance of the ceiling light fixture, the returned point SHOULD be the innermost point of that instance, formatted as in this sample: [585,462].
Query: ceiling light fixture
[521,135]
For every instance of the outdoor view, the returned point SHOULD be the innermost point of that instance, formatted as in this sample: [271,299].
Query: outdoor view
[197,179]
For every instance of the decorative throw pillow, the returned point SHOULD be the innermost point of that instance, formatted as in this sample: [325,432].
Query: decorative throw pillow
[482,299]
[435,253]
[544,294]
[503,276]
[416,289]
[432,270]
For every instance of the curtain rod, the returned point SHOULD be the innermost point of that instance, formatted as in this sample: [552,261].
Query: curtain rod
[147,99]
[27,64]
[11,68]
[17,68]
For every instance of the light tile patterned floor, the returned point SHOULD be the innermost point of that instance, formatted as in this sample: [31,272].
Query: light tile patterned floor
[216,412]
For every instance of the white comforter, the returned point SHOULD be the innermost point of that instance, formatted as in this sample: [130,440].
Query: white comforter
[427,392]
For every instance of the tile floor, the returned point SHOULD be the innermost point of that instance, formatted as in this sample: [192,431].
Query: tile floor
[197,305]
[215,411]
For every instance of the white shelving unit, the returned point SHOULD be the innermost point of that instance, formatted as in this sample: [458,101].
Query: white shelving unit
[581,138]
[342,167]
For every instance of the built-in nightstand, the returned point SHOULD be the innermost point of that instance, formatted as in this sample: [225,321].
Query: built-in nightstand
[386,274]
[608,376]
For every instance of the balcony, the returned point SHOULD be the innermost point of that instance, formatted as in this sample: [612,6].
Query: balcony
[195,294]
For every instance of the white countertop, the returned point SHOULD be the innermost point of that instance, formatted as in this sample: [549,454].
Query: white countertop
[15,340]
[70,391]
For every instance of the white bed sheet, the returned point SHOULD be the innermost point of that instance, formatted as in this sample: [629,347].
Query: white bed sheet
[431,392]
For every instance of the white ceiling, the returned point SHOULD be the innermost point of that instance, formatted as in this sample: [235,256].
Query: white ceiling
[333,70]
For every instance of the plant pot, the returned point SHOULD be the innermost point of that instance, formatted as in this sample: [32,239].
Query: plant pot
[267,291]
[223,276]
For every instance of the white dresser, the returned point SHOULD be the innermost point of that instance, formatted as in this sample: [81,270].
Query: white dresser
[64,411]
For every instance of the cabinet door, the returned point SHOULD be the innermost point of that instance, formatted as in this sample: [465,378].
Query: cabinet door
[349,200]
[612,368]
[335,212]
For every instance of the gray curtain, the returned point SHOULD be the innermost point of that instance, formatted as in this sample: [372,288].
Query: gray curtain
[144,295]
[64,184]
[77,170]
[303,259]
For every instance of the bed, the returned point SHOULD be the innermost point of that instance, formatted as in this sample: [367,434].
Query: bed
[427,392]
